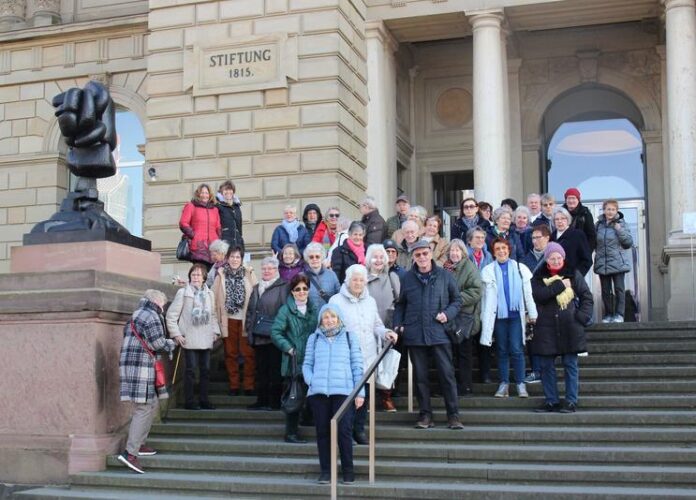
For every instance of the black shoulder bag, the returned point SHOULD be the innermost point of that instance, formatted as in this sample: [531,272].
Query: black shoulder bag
[459,328]
[529,327]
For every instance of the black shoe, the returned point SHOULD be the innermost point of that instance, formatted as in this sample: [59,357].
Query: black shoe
[465,392]
[294,439]
[425,422]
[324,478]
[233,392]
[249,392]
[192,406]
[207,405]
[568,407]
[258,406]
[348,478]
[306,422]
[548,408]
[360,437]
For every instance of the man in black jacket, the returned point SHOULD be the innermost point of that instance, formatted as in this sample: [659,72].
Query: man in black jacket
[375,225]
[230,209]
[582,217]
[429,297]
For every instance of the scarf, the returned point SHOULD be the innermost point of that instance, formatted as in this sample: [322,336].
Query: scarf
[478,257]
[502,234]
[200,315]
[449,265]
[302,307]
[470,223]
[565,297]
[358,250]
[235,292]
[291,228]
[331,332]
[264,285]
[514,289]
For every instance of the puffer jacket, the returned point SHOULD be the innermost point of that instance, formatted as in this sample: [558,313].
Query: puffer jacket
[610,257]
[583,221]
[221,294]
[231,221]
[267,305]
[289,271]
[361,318]
[560,331]
[332,366]
[384,288]
[200,223]
[470,288]
[280,238]
[180,324]
[327,280]
[420,302]
[341,259]
[291,330]
[375,228]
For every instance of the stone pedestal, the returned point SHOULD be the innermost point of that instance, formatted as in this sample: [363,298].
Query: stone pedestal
[61,333]
[682,273]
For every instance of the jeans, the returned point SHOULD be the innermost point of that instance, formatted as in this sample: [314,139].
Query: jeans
[442,355]
[196,358]
[361,413]
[614,301]
[535,361]
[324,407]
[548,378]
[508,339]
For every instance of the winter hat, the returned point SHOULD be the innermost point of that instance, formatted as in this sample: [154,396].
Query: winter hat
[553,247]
[402,197]
[390,244]
[572,192]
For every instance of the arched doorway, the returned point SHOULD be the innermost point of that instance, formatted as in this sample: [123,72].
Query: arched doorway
[593,142]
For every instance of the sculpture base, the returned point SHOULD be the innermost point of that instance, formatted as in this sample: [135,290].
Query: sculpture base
[97,234]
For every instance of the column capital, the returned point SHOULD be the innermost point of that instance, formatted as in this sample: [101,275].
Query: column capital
[486,18]
[674,4]
[378,30]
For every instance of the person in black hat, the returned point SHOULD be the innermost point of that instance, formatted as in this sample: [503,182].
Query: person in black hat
[393,254]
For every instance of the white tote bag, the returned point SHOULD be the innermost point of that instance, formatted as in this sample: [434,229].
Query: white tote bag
[388,369]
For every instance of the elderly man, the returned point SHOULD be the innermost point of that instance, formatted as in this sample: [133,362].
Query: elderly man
[429,297]
[534,206]
[411,234]
[394,222]
[548,203]
[375,226]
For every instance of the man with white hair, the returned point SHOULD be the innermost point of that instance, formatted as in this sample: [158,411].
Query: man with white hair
[375,225]
[534,206]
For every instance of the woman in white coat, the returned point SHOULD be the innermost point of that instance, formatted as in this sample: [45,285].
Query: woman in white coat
[507,306]
[362,320]
[193,325]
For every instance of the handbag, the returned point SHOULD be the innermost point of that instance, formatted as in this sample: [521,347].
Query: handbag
[529,327]
[160,376]
[459,328]
[263,326]
[293,397]
[388,369]
[183,249]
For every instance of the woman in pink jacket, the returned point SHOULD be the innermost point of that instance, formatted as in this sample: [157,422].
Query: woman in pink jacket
[200,223]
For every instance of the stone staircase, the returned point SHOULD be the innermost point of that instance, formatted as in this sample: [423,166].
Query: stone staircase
[633,437]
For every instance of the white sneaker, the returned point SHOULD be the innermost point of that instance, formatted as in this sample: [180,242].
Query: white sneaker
[502,391]
[608,319]
[618,319]
[522,391]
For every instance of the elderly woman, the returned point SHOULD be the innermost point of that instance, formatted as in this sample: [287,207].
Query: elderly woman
[200,223]
[218,253]
[548,203]
[232,290]
[327,229]
[290,230]
[480,257]
[520,219]
[332,369]
[192,323]
[416,214]
[383,286]
[507,307]
[351,252]
[502,228]
[267,297]
[613,239]
[468,219]
[293,325]
[573,241]
[565,306]
[142,334]
[438,244]
[291,263]
[362,320]
[324,282]
[470,288]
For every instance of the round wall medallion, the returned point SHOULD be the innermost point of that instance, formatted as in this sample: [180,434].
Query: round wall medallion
[454,107]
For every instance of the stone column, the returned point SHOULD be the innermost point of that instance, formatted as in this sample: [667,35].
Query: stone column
[12,14]
[381,116]
[43,12]
[490,146]
[517,189]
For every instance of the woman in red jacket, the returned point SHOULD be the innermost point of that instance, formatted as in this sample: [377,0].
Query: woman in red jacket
[200,223]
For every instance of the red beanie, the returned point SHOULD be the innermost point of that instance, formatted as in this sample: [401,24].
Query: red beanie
[572,192]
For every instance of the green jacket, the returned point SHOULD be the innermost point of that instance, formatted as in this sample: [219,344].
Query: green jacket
[471,290]
[291,329]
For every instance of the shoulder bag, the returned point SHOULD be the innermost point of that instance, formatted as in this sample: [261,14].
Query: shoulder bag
[295,393]
[529,327]
[459,328]
[183,249]
[160,378]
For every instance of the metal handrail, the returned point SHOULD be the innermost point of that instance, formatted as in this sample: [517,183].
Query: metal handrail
[368,375]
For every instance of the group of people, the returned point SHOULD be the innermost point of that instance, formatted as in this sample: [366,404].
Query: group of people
[335,291]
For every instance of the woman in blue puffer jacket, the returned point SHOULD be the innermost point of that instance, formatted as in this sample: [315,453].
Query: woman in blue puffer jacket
[332,368]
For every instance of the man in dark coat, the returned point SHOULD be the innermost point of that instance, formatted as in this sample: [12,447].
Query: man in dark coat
[375,225]
[582,217]
[230,208]
[394,222]
[429,297]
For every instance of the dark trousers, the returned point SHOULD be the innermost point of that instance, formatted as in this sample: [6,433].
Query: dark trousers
[463,360]
[484,358]
[292,420]
[442,355]
[361,413]
[324,408]
[614,300]
[268,380]
[196,358]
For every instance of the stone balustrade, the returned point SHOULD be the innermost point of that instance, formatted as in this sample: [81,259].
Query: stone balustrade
[18,14]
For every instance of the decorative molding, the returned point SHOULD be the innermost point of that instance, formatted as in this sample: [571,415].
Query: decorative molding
[588,65]
[138,46]
[379,30]
[5,62]
[36,58]
[69,54]
[102,50]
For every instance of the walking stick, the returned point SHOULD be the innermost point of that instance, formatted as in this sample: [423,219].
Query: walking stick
[176,368]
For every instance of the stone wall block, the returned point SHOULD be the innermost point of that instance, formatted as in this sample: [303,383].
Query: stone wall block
[206,12]
[276,164]
[320,160]
[240,143]
[163,239]
[275,141]
[5,129]
[16,215]
[275,187]
[18,180]
[163,128]
[276,118]
[14,232]
[276,6]
[314,138]
[161,62]
[169,149]
[49,195]
[37,126]
[155,216]
[239,121]
[164,84]
[314,91]
[269,211]
[285,24]
[31,91]
[42,175]
[312,45]
[164,194]
[165,40]
[9,146]
[319,67]
[20,109]
[298,186]
[312,4]
[235,9]
[166,172]
[169,106]
[204,170]
[240,100]
[19,128]
[252,188]
[253,235]
[205,104]
[205,124]
[18,198]
[276,97]
[9,93]
[321,114]
[39,213]
[205,147]
[239,166]
[171,17]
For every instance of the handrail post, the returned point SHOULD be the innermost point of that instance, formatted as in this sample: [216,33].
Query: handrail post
[334,465]
[410,382]
[373,411]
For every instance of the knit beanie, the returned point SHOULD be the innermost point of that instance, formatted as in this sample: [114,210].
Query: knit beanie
[572,192]
[553,247]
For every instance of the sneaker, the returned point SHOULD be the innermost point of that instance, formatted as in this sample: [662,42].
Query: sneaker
[532,378]
[324,478]
[618,319]
[131,461]
[454,423]
[146,451]
[522,391]
[425,422]
[348,478]
[548,408]
[608,319]
[502,391]
[207,405]
[568,407]
[388,405]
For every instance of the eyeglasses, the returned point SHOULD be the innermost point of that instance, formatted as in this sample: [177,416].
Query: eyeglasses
[314,257]
[300,289]
[538,237]
[418,255]
[334,216]
[470,206]
[547,204]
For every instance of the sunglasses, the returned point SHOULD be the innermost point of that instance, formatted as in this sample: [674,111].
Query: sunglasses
[300,289]
[314,257]
[421,254]
[470,206]
[334,216]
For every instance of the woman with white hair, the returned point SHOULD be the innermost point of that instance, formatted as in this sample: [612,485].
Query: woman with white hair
[573,241]
[437,243]
[323,282]
[522,226]
[502,228]
[218,253]
[363,322]
[290,230]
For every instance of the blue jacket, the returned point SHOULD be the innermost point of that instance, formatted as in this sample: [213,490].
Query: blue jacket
[281,238]
[332,366]
[487,258]
[327,281]
[532,262]
[513,237]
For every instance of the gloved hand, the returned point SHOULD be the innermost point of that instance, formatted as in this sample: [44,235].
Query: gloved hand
[170,345]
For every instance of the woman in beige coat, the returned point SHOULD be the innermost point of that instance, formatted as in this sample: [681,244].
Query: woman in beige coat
[232,289]
[192,323]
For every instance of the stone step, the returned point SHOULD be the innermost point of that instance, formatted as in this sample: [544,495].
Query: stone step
[657,345]
[107,493]
[622,334]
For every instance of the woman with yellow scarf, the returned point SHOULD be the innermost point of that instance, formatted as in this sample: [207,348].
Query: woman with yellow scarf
[564,306]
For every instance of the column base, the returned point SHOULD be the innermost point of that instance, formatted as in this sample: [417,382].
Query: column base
[681,272]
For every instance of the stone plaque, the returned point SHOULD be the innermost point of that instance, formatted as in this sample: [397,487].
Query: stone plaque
[241,64]
[454,107]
